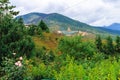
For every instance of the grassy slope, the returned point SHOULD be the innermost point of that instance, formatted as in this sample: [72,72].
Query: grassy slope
[49,41]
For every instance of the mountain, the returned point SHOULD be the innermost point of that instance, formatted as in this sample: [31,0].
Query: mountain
[57,21]
[114,26]
[54,20]
[107,30]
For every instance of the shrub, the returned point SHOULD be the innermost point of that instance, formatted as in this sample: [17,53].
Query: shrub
[71,71]
[13,68]
[75,47]
[41,72]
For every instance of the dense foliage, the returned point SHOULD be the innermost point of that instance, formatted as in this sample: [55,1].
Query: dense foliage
[13,37]
[108,46]
[75,47]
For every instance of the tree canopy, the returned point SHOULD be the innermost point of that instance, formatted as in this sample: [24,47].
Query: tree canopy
[12,35]
[43,26]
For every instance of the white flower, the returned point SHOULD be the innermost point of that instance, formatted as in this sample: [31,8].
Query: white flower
[18,63]
[14,53]
[20,58]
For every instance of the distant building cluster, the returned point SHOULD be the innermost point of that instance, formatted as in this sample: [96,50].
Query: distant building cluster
[27,25]
[69,32]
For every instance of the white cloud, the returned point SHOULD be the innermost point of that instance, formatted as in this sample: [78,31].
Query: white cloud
[94,12]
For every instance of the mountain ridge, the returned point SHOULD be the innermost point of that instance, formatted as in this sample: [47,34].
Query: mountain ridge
[114,26]
[57,21]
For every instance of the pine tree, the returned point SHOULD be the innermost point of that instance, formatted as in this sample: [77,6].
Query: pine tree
[109,46]
[117,44]
[6,8]
[12,37]
[43,26]
[31,30]
[98,43]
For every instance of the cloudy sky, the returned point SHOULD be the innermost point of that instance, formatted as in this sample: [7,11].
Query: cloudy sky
[93,12]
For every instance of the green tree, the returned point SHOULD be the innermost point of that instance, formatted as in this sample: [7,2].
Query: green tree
[21,23]
[118,44]
[15,41]
[109,46]
[98,43]
[74,47]
[12,34]
[31,30]
[6,8]
[43,26]
[39,31]
[34,30]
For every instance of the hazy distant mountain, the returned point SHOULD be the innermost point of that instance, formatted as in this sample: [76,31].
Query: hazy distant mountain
[57,21]
[115,26]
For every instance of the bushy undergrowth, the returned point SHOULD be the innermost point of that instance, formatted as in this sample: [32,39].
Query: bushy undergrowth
[75,47]
[70,69]
[64,63]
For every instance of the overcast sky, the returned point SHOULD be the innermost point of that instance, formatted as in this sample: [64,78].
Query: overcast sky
[93,12]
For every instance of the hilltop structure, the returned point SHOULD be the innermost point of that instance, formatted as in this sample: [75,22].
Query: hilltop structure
[69,32]
[82,33]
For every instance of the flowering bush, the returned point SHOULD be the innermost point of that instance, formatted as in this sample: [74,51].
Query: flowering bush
[13,68]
